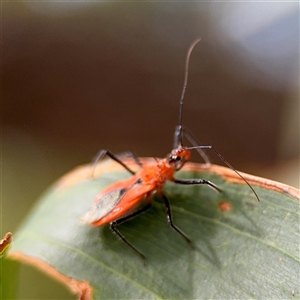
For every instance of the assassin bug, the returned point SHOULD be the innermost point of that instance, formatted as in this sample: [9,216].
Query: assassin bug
[114,204]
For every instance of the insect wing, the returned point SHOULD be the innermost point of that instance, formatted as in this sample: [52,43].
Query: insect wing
[103,206]
[128,202]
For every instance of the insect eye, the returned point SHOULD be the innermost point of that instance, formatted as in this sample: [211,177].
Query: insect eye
[175,158]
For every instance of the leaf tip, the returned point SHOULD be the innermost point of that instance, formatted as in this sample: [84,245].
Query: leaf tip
[5,242]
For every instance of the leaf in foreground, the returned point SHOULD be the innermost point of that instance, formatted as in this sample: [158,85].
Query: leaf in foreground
[242,248]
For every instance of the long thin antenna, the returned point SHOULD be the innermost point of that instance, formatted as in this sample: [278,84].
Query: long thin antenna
[185,82]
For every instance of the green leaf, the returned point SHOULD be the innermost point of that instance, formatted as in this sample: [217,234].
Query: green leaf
[242,248]
[9,271]
[8,278]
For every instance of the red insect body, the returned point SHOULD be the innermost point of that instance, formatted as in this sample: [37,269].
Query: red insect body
[125,194]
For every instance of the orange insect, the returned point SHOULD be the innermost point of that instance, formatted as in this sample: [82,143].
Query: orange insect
[114,204]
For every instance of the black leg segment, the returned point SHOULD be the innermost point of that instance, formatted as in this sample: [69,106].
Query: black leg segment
[121,237]
[170,219]
[102,153]
[132,155]
[197,181]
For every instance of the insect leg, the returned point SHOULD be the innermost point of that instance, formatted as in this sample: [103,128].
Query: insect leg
[121,220]
[101,154]
[132,155]
[170,219]
[228,165]
[197,181]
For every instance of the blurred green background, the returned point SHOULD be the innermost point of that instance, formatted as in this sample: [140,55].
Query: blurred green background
[83,76]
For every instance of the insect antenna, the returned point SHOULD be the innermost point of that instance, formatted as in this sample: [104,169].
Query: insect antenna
[178,140]
[227,164]
[178,136]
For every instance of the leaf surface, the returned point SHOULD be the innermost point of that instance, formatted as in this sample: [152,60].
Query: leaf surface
[242,248]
